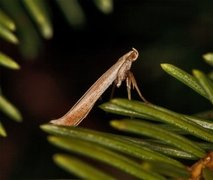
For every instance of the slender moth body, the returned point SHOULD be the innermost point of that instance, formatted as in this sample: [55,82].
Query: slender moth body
[119,72]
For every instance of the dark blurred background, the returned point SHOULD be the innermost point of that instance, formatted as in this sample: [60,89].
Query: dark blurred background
[169,31]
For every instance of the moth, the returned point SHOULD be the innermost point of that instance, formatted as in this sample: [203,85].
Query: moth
[119,72]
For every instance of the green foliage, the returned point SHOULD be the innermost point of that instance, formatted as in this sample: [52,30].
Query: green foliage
[10,109]
[73,12]
[75,165]
[104,6]
[184,77]
[6,21]
[8,62]
[111,141]
[208,57]
[150,130]
[2,130]
[8,35]
[164,140]
[5,106]
[37,10]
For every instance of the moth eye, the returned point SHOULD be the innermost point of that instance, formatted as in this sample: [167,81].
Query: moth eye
[134,54]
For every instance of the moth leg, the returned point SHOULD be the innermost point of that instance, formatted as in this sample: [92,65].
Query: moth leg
[131,82]
[113,90]
[128,86]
